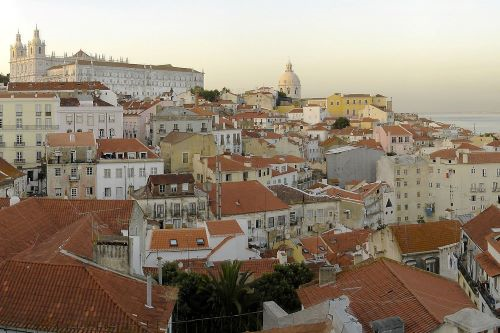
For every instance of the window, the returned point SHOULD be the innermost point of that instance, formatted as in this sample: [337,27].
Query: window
[107,192]
[393,139]
[201,205]
[111,118]
[79,119]
[473,198]
[102,118]
[90,171]
[57,172]
[119,192]
[38,155]
[484,172]
[89,191]
[118,173]
[173,242]
[38,139]
[58,192]
[90,120]
[173,188]
[185,187]
[438,185]
[418,194]
[473,171]
[154,171]
[162,188]
[418,170]
[19,110]
[130,172]
[73,156]
[19,123]
[107,173]
[185,158]
[281,220]
[142,172]
[228,177]
[270,222]
[430,265]
[74,192]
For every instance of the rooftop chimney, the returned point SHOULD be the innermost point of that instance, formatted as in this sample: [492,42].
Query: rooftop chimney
[160,274]
[328,274]
[149,289]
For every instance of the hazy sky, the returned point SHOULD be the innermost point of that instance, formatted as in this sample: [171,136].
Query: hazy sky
[430,56]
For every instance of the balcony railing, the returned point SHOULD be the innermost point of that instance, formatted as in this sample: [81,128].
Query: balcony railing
[204,129]
[18,161]
[465,273]
[19,144]
[485,293]
[30,127]
[74,177]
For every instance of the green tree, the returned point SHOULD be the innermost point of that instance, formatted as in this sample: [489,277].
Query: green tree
[280,285]
[4,78]
[281,95]
[341,122]
[209,95]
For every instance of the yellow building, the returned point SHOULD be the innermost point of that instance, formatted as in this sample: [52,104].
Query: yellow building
[350,105]
[178,150]
[25,120]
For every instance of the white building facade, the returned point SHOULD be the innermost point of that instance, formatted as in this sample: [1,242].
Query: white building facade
[29,63]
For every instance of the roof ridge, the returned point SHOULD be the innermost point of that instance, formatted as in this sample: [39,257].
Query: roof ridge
[418,298]
[221,244]
[127,315]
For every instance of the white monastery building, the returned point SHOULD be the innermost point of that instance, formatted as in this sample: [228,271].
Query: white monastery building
[30,63]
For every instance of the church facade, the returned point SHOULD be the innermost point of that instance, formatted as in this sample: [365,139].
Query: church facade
[30,63]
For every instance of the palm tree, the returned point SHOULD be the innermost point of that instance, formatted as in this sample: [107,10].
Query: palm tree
[232,295]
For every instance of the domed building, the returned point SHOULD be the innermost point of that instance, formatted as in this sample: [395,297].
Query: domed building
[289,82]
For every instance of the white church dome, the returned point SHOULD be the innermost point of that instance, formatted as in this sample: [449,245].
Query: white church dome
[289,82]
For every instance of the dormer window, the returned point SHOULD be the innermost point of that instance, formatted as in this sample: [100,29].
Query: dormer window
[173,242]
[131,155]
[185,187]
[173,188]
[162,188]
[144,155]
[200,241]
[119,155]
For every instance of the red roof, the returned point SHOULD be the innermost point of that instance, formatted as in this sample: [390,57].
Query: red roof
[77,139]
[56,86]
[384,288]
[224,228]
[163,239]
[481,226]
[245,198]
[78,297]
[258,267]
[106,146]
[424,237]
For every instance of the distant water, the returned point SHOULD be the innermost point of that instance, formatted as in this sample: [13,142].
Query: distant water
[488,122]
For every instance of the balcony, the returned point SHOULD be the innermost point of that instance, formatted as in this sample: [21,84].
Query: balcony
[74,178]
[470,281]
[30,127]
[204,130]
[19,144]
[162,131]
[19,161]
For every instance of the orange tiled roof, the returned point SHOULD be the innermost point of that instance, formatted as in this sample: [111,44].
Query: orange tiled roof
[369,143]
[495,143]
[446,154]
[55,86]
[481,226]
[77,295]
[395,130]
[7,170]
[384,288]
[224,228]
[123,146]
[467,145]
[14,94]
[488,264]
[323,327]
[77,139]
[245,198]
[416,238]
[186,239]
[346,241]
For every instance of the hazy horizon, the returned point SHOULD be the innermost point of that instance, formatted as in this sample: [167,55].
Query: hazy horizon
[428,56]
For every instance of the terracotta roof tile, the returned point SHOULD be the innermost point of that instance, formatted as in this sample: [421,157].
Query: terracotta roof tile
[77,139]
[481,226]
[245,198]
[224,228]
[77,297]
[185,239]
[8,170]
[323,327]
[123,146]
[396,130]
[56,86]
[171,178]
[258,267]
[384,288]
[488,264]
[415,238]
